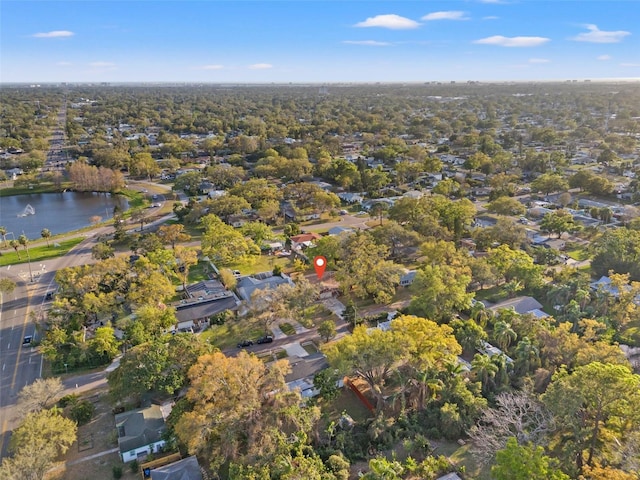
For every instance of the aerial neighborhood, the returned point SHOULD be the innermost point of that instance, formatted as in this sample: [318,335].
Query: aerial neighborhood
[480,303]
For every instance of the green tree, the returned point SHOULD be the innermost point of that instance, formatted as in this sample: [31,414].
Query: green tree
[7,285]
[257,231]
[395,237]
[440,291]
[228,395]
[102,251]
[225,245]
[559,222]
[506,206]
[366,355]
[362,271]
[172,234]
[188,183]
[525,462]
[46,234]
[593,405]
[327,330]
[47,428]
[548,183]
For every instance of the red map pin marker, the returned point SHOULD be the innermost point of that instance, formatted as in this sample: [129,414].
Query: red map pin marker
[319,263]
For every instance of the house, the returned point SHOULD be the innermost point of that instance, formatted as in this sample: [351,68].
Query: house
[407,278]
[303,370]
[487,349]
[196,312]
[185,469]
[238,221]
[351,197]
[450,476]
[339,231]
[140,431]
[247,285]
[304,240]
[521,305]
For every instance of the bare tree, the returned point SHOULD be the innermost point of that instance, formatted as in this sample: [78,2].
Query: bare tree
[39,395]
[517,414]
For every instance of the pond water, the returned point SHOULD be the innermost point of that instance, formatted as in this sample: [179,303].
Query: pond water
[59,212]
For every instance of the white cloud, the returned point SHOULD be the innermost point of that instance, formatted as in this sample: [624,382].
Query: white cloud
[539,60]
[212,67]
[603,57]
[448,15]
[102,64]
[490,17]
[260,66]
[368,43]
[635,65]
[54,34]
[63,64]
[392,21]
[595,35]
[512,41]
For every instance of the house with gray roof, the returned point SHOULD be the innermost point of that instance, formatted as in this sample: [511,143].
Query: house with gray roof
[247,285]
[185,469]
[140,432]
[521,305]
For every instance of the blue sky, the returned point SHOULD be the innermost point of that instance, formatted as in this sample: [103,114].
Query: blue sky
[318,41]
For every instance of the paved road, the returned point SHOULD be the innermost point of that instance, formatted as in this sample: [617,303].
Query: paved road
[20,366]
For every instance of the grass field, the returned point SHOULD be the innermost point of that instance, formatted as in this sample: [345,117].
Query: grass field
[44,187]
[229,334]
[39,253]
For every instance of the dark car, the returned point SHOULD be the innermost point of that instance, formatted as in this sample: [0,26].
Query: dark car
[265,339]
[245,343]
[27,341]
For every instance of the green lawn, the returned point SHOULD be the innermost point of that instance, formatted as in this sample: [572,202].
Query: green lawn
[199,272]
[44,187]
[578,254]
[229,334]
[262,263]
[287,329]
[39,253]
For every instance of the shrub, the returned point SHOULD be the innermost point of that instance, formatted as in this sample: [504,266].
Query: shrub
[134,466]
[67,400]
[117,471]
[81,412]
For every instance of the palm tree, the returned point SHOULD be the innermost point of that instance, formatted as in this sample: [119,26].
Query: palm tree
[504,334]
[481,314]
[484,370]
[503,363]
[3,233]
[425,387]
[46,234]
[527,356]
[15,245]
[583,297]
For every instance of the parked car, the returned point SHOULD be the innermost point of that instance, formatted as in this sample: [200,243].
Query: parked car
[265,339]
[245,343]
[236,273]
[343,212]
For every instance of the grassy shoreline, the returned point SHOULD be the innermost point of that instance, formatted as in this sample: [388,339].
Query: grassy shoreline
[39,253]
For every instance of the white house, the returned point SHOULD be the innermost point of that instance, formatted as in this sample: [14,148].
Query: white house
[140,431]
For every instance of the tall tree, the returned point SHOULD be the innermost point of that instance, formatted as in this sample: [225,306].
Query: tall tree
[593,405]
[172,234]
[46,234]
[240,406]
[525,462]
